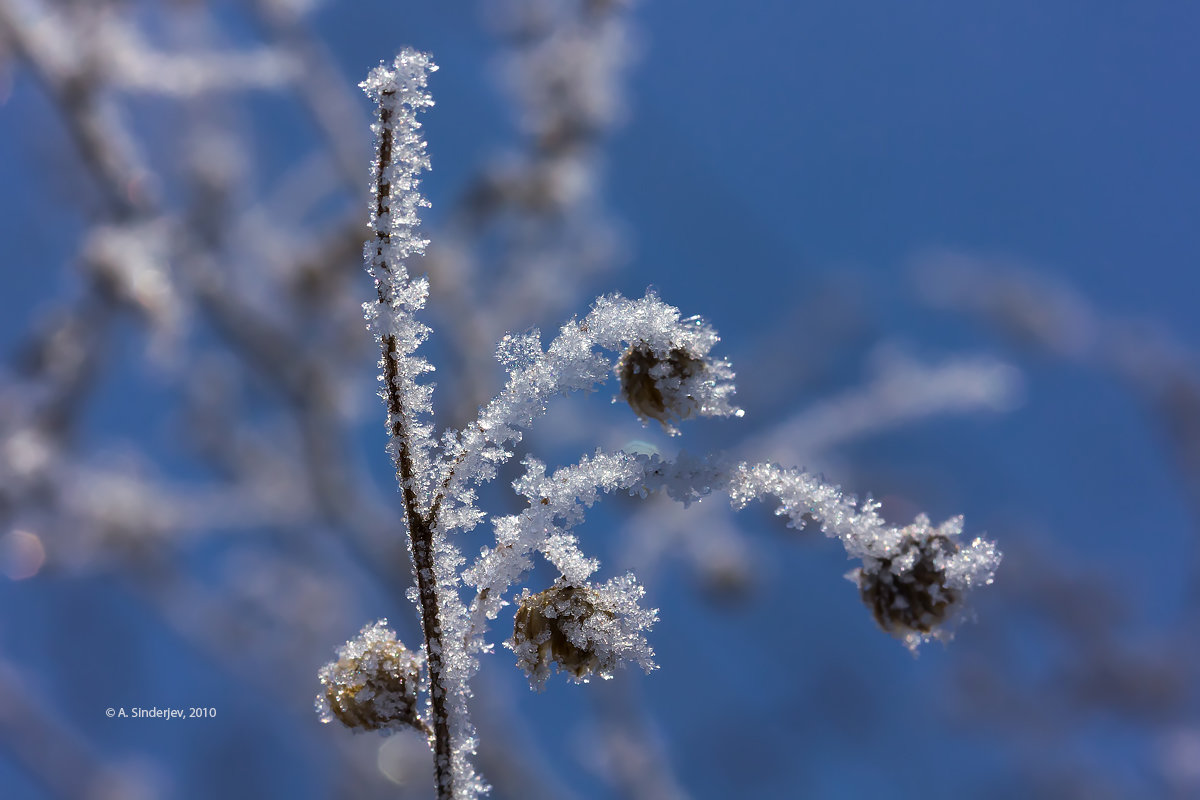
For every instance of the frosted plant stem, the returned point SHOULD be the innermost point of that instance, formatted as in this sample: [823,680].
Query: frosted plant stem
[420,532]
[420,527]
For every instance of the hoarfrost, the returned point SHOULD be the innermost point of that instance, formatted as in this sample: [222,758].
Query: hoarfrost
[914,579]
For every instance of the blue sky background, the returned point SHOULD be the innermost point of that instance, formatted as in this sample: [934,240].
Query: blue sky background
[774,150]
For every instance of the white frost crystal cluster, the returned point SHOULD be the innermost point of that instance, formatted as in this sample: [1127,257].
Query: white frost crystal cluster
[914,579]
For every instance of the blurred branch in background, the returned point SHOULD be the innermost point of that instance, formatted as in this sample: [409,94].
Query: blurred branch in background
[1105,660]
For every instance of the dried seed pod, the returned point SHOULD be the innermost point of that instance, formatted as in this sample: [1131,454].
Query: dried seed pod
[658,388]
[550,627]
[373,684]
[907,591]
[585,630]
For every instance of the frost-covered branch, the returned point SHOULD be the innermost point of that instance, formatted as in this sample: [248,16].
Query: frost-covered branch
[399,94]
[665,364]
[400,157]
[914,578]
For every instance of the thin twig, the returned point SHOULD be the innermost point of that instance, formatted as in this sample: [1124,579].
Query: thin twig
[420,526]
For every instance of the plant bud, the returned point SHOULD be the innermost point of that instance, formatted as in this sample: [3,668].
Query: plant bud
[907,591]
[373,684]
[551,627]
[659,388]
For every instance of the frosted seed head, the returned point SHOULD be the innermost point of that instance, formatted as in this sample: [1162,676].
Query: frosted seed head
[907,590]
[373,684]
[549,628]
[585,630]
[658,387]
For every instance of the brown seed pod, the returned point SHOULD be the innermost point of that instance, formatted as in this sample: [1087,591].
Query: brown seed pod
[916,599]
[655,388]
[373,684]
[550,628]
